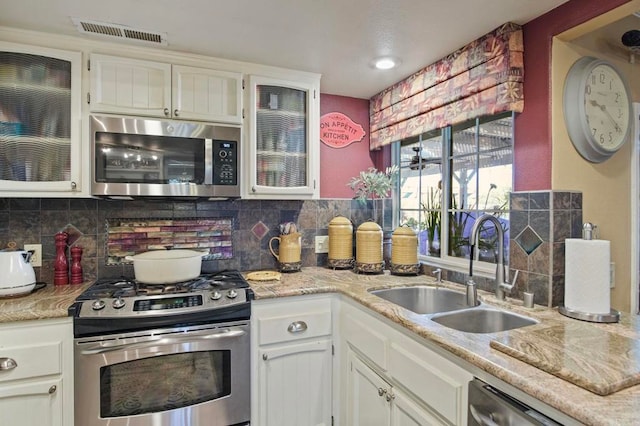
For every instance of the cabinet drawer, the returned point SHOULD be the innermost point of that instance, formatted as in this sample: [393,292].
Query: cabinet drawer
[280,323]
[34,360]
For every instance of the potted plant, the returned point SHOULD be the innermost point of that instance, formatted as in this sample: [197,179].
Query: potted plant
[431,209]
[372,184]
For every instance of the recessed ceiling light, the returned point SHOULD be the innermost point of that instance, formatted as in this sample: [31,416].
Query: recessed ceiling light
[385,63]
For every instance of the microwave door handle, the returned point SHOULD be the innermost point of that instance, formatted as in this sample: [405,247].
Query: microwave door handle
[101,348]
[208,161]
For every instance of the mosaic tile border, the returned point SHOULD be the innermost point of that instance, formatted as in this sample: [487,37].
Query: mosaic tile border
[127,237]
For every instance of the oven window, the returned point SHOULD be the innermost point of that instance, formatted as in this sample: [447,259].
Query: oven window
[166,382]
[132,158]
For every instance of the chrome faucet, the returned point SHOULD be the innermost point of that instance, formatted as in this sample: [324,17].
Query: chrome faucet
[502,285]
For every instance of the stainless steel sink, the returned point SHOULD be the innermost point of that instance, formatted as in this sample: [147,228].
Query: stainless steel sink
[423,299]
[483,320]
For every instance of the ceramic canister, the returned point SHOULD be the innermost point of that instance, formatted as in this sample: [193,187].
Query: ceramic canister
[340,238]
[404,246]
[369,243]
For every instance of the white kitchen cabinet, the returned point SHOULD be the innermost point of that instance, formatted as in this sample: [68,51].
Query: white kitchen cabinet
[206,95]
[36,381]
[283,154]
[366,391]
[292,368]
[422,386]
[147,88]
[372,401]
[40,143]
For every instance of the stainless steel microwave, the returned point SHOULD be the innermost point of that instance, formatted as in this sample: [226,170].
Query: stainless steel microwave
[145,157]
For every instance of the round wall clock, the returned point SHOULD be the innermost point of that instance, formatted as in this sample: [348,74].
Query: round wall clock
[597,108]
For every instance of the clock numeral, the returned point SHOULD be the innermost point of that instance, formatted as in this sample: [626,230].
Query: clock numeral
[617,97]
[610,137]
[587,89]
[594,131]
[601,138]
[602,78]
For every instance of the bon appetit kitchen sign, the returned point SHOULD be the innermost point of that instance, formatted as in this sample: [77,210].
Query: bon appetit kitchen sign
[337,130]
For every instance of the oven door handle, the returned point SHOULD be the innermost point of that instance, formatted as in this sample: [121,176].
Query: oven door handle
[103,347]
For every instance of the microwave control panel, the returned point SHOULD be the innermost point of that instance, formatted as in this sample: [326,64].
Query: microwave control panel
[225,162]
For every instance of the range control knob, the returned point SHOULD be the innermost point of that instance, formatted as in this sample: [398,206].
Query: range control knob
[118,303]
[216,295]
[97,305]
[232,294]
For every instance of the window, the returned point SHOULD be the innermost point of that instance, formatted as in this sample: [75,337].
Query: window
[450,177]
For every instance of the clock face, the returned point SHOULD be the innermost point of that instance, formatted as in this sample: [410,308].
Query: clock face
[597,108]
[606,106]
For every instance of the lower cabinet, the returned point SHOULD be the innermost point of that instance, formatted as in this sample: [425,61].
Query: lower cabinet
[292,367]
[36,373]
[372,401]
[390,378]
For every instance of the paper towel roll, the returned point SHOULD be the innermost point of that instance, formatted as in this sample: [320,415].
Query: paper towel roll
[587,272]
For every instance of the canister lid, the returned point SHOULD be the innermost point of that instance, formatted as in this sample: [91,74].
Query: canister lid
[404,231]
[340,220]
[370,227]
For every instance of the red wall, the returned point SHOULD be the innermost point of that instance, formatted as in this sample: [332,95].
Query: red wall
[339,165]
[533,126]
[532,155]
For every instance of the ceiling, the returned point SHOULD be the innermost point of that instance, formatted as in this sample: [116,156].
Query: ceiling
[336,38]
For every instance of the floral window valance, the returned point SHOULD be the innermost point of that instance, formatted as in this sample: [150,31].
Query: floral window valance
[484,77]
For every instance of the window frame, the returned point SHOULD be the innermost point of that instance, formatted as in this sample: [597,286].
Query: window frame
[457,264]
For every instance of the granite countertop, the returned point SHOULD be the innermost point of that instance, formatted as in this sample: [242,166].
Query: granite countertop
[619,408]
[618,353]
[46,303]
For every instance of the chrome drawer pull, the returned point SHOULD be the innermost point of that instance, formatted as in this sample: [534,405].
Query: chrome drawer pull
[53,389]
[7,364]
[297,327]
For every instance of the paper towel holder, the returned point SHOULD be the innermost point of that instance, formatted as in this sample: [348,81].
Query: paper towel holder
[612,316]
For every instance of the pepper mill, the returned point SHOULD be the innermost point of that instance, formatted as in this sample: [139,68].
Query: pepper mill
[61,265]
[76,266]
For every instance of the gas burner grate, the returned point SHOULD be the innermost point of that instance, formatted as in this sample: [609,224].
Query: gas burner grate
[124,287]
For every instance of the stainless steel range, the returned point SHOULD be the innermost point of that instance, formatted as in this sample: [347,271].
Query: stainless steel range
[163,355]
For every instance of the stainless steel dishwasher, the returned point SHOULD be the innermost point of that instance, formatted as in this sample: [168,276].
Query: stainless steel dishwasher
[490,407]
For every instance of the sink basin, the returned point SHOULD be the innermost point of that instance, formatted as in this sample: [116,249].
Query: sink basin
[482,320]
[423,299]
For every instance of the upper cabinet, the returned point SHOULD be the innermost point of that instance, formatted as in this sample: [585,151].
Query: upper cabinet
[283,147]
[40,126]
[155,89]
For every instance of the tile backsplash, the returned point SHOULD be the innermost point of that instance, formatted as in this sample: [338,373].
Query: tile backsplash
[251,222]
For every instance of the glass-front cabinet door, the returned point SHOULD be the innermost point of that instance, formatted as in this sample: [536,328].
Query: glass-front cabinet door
[40,153]
[283,145]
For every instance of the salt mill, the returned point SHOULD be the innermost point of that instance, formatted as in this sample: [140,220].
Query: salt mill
[76,266]
[61,265]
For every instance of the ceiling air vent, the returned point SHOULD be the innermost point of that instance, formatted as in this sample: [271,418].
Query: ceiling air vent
[115,31]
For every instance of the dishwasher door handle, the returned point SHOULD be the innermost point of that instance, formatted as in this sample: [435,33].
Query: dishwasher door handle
[481,418]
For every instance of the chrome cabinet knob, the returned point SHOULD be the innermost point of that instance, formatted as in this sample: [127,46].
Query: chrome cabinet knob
[53,389]
[166,112]
[175,113]
[381,391]
[74,186]
[390,396]
[265,357]
[7,364]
